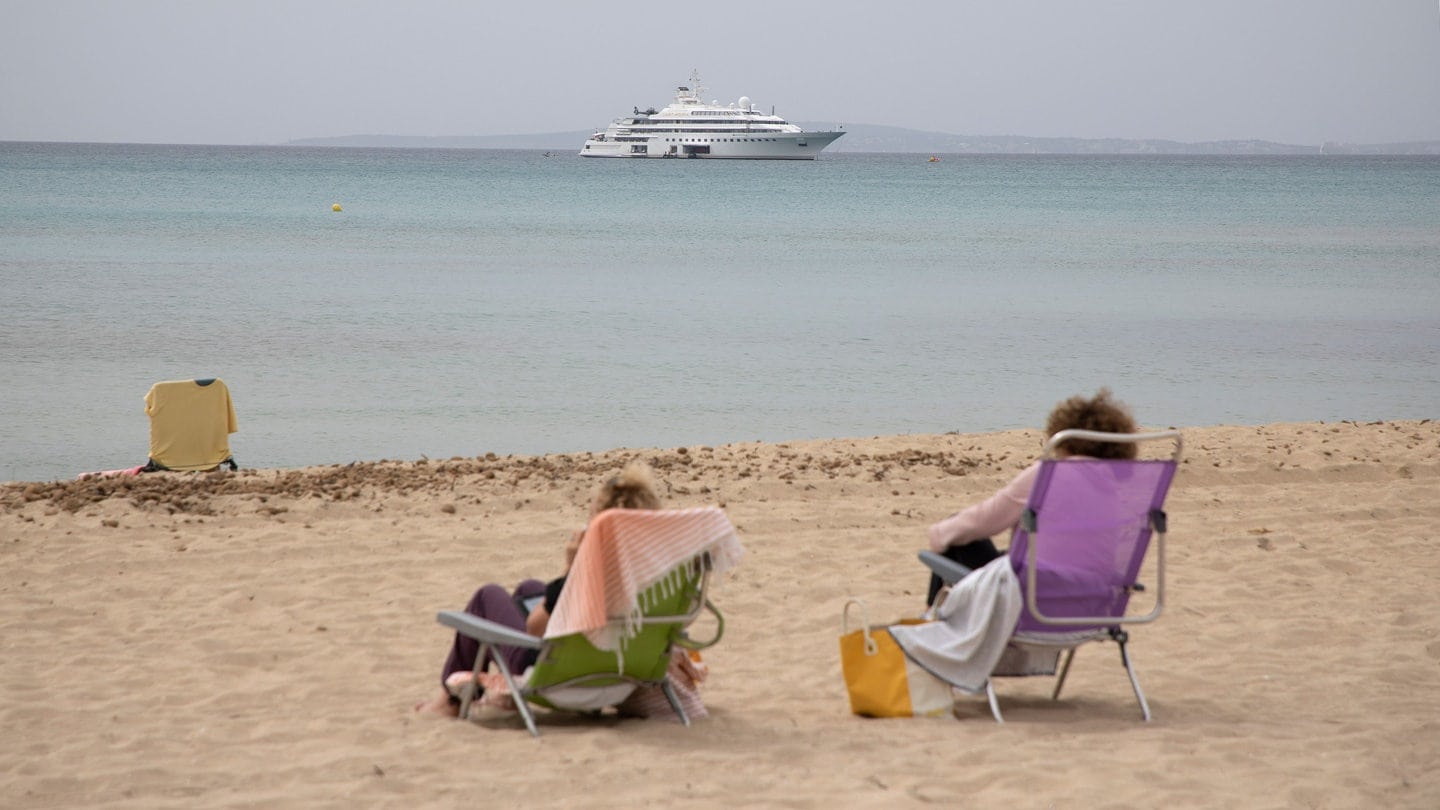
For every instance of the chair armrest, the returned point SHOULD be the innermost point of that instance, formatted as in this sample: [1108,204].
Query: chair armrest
[688,643]
[487,631]
[949,571]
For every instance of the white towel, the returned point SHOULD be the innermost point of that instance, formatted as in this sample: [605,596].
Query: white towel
[974,624]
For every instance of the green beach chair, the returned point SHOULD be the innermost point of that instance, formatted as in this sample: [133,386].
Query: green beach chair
[639,580]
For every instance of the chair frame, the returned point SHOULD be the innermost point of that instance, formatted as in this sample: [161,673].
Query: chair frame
[1112,626]
[491,634]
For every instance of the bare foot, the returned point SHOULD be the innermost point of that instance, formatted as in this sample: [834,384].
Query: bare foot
[440,704]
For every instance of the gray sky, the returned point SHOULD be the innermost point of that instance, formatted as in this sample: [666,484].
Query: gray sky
[262,71]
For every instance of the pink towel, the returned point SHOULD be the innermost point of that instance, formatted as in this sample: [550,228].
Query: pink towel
[626,551]
[110,473]
[686,675]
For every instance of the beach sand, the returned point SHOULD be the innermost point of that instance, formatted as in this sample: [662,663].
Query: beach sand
[258,639]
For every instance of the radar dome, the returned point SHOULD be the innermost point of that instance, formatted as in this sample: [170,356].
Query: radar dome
[744,102]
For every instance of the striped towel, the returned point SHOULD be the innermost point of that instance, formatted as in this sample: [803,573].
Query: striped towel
[625,552]
[686,673]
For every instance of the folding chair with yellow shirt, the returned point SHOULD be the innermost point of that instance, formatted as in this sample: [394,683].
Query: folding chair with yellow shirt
[190,425]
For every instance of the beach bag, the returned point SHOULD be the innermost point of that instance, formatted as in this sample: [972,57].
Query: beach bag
[881,681]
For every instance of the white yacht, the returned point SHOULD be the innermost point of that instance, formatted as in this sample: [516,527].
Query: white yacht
[690,128]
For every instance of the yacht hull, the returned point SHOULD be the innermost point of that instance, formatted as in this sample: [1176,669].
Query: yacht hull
[736,146]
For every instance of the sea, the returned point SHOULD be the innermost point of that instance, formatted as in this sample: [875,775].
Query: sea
[465,302]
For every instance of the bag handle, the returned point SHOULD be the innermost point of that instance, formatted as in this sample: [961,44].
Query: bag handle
[932,613]
[870,646]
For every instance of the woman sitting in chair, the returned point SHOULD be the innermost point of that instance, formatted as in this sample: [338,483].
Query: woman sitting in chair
[964,537]
[528,607]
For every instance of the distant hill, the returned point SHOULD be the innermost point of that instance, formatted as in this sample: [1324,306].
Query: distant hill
[871,138]
[568,141]
[876,138]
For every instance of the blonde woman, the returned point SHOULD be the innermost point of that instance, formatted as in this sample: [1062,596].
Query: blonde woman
[528,607]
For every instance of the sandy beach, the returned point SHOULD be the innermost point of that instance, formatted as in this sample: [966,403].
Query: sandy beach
[257,639]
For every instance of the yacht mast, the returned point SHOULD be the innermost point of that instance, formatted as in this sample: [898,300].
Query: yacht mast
[695,85]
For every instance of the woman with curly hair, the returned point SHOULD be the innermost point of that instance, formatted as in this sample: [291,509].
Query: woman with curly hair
[965,536]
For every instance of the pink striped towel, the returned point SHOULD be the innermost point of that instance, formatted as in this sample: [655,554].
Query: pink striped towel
[626,551]
[109,473]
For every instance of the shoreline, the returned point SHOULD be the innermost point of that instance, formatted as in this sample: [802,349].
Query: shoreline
[587,459]
[259,637]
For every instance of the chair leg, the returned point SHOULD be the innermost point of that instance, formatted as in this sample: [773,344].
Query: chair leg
[1064,670]
[467,693]
[674,701]
[1134,681]
[994,703]
[520,702]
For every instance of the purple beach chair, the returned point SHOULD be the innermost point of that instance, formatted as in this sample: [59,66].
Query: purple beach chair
[1077,554]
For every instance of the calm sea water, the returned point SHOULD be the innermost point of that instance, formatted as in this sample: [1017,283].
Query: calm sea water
[471,301]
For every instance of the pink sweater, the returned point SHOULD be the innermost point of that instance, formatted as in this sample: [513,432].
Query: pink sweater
[988,518]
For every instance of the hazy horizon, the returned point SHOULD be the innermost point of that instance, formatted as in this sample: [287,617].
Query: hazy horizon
[1288,71]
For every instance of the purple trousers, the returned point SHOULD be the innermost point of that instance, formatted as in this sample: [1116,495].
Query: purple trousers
[494,603]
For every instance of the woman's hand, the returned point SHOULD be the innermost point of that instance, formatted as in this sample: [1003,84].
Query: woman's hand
[572,548]
[536,622]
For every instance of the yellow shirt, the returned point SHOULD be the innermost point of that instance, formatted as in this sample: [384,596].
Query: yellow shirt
[190,423]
